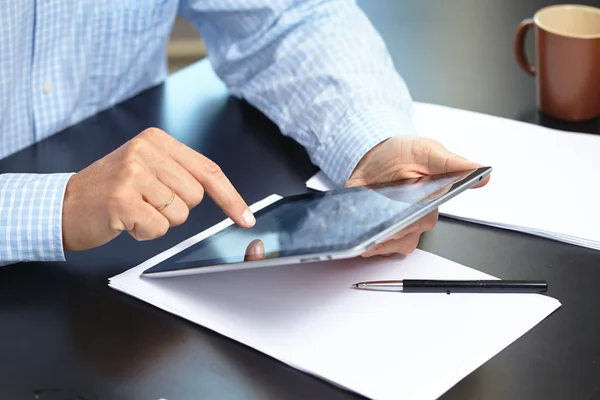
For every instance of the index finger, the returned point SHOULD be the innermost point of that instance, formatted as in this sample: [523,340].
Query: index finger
[220,189]
[208,173]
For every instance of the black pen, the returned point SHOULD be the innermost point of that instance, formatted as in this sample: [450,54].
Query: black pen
[450,286]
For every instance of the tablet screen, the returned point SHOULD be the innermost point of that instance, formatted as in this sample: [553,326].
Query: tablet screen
[316,222]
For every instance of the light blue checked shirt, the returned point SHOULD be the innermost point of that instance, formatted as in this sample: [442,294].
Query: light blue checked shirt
[317,68]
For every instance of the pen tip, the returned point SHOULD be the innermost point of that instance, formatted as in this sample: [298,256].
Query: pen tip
[355,285]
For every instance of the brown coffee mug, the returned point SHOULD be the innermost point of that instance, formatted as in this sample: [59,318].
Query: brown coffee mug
[567,60]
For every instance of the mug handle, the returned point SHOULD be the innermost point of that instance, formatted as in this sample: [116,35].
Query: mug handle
[522,59]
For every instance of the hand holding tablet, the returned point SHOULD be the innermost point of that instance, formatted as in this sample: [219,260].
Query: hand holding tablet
[312,227]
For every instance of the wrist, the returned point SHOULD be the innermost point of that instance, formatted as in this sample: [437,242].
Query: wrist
[357,172]
[358,134]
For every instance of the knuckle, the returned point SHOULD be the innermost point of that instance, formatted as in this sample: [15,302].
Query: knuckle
[162,228]
[115,224]
[154,229]
[120,210]
[135,235]
[130,170]
[195,197]
[199,196]
[138,236]
[142,228]
[180,216]
[119,198]
[212,170]
[136,146]
[152,132]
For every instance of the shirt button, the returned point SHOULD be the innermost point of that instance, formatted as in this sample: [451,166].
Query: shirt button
[47,88]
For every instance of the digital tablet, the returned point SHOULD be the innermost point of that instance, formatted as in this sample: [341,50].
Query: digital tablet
[312,227]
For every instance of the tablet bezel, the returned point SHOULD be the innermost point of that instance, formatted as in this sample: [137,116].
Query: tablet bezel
[376,235]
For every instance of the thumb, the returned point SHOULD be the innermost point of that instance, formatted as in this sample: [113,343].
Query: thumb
[440,161]
[255,251]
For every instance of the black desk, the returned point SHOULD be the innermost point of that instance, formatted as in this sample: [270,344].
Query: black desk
[62,328]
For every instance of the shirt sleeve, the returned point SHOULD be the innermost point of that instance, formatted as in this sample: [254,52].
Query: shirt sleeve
[317,68]
[31,217]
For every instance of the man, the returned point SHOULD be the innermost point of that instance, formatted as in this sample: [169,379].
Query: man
[317,68]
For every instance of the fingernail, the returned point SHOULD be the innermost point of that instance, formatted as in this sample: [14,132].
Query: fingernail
[259,249]
[249,218]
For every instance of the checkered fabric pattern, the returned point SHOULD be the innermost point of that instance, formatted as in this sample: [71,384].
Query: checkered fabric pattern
[317,68]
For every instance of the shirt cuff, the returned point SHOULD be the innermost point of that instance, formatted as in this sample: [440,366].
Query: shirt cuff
[31,217]
[359,132]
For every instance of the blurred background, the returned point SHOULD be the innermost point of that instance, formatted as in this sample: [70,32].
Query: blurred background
[185,46]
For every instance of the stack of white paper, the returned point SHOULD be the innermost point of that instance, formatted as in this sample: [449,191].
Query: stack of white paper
[380,344]
[545,182]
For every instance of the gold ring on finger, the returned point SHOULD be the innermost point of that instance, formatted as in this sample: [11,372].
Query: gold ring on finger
[168,202]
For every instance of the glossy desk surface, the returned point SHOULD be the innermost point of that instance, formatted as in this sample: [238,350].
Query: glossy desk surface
[65,335]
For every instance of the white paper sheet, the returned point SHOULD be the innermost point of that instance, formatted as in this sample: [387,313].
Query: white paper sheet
[381,345]
[545,182]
